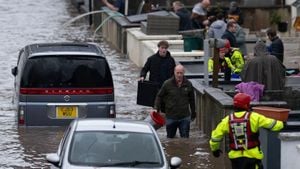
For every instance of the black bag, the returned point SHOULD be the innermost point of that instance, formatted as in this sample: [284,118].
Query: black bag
[146,93]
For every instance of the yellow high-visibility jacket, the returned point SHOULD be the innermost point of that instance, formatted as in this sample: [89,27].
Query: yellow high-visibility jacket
[256,121]
[211,64]
[237,61]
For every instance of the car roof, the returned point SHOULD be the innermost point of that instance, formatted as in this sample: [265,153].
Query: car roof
[63,48]
[96,124]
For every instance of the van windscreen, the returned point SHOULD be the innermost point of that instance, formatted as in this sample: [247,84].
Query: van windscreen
[66,72]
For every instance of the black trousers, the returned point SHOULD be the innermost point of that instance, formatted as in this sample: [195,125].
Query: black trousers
[246,163]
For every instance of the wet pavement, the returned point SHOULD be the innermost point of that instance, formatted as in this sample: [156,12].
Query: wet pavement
[27,21]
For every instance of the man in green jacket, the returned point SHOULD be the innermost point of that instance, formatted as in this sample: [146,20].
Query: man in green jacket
[177,94]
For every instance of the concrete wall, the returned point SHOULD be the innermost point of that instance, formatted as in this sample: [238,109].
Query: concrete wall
[290,150]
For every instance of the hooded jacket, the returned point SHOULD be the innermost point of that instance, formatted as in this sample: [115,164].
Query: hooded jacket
[264,68]
[217,29]
[160,68]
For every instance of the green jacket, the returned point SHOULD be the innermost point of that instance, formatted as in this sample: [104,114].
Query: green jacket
[179,102]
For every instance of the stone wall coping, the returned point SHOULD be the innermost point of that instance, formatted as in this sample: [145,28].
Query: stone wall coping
[270,103]
[119,18]
[289,136]
[152,45]
[136,32]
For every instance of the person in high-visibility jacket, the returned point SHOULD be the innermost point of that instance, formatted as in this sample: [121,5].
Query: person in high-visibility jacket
[242,126]
[237,60]
[224,62]
[231,58]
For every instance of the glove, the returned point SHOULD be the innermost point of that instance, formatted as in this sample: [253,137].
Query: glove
[217,153]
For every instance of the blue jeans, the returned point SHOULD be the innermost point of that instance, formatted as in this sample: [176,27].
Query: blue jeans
[183,125]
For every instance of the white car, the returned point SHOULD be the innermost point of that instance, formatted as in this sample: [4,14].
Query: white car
[111,143]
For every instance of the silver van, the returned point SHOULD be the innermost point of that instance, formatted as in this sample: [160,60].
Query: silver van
[58,82]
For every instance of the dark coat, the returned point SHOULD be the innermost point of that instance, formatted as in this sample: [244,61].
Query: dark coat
[160,68]
[179,101]
[265,69]
[230,36]
[277,48]
[185,22]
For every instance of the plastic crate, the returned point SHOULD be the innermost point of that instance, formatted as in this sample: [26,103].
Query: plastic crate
[273,112]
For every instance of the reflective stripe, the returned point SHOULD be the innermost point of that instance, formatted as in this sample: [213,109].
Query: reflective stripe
[272,124]
[216,139]
[245,146]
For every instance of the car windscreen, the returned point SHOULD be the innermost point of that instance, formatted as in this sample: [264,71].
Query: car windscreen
[66,71]
[119,149]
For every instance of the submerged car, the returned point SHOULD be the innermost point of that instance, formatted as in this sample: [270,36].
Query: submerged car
[58,82]
[111,143]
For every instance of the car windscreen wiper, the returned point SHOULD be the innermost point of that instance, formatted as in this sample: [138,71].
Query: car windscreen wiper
[130,163]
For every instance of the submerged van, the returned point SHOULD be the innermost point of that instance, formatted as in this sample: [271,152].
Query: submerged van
[58,82]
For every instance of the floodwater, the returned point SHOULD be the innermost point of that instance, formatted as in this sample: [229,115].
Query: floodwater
[29,21]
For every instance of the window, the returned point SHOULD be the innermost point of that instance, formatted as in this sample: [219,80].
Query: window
[66,71]
[114,148]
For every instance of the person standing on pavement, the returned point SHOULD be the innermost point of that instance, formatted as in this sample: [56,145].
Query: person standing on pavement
[118,6]
[199,14]
[185,22]
[242,126]
[160,65]
[229,33]
[276,47]
[177,94]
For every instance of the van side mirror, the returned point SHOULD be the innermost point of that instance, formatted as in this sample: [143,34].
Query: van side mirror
[14,71]
[53,158]
[175,162]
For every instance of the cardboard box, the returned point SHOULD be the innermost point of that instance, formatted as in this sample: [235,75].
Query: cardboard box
[273,112]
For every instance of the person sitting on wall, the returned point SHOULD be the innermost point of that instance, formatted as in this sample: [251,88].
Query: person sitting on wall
[236,58]
[225,66]
[231,61]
